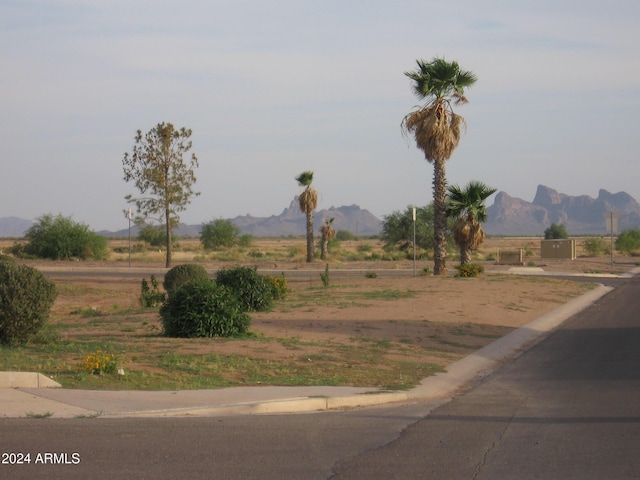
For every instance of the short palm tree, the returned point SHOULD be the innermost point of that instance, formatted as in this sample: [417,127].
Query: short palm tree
[328,233]
[437,130]
[467,207]
[308,201]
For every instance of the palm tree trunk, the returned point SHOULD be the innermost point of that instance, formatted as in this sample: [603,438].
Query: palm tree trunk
[324,247]
[310,246]
[465,255]
[440,218]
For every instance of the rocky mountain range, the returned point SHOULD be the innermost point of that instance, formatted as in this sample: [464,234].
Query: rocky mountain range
[293,222]
[507,216]
[580,215]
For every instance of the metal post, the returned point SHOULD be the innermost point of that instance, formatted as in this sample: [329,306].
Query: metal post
[129,215]
[414,241]
[611,239]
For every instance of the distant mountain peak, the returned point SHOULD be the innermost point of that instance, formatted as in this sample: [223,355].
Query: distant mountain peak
[580,215]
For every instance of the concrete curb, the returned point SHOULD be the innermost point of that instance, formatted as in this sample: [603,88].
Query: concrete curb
[26,380]
[438,387]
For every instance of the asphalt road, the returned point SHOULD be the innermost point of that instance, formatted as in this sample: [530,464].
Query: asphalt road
[569,408]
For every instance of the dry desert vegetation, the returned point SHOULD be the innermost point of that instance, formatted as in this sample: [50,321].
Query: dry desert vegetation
[366,329]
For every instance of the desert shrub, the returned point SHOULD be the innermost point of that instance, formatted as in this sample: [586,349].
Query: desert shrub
[245,240]
[279,287]
[252,289]
[628,241]
[99,363]
[326,279]
[556,232]
[60,238]
[155,235]
[469,270]
[26,297]
[182,274]
[203,308]
[345,235]
[219,233]
[151,296]
[595,247]
[7,258]
[397,228]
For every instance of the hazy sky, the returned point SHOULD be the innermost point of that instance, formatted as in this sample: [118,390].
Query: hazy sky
[273,88]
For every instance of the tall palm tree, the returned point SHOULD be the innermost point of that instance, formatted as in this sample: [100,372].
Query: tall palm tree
[328,233]
[308,200]
[436,130]
[467,207]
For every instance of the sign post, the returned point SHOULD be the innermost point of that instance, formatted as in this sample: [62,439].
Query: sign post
[129,216]
[414,241]
[612,227]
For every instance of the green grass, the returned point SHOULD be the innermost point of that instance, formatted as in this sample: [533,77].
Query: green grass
[154,362]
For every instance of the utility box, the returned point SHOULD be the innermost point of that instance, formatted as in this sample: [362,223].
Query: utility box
[510,257]
[564,249]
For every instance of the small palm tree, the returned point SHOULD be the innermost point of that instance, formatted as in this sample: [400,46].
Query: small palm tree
[469,211]
[436,130]
[308,201]
[328,233]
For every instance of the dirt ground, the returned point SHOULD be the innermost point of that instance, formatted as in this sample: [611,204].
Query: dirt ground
[430,319]
[447,318]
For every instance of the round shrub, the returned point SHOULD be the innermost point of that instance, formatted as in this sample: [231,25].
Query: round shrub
[60,238]
[628,241]
[279,287]
[467,270]
[182,274]
[7,258]
[254,291]
[26,297]
[203,308]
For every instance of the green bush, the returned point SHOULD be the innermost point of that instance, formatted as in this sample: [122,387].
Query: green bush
[7,258]
[151,297]
[556,232]
[252,289]
[469,270]
[60,238]
[325,277]
[26,297]
[182,274]
[219,234]
[595,247]
[203,308]
[245,240]
[345,235]
[155,235]
[628,241]
[279,287]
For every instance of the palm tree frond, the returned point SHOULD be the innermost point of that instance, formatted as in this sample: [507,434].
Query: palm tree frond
[436,130]
[308,200]
[439,78]
[305,178]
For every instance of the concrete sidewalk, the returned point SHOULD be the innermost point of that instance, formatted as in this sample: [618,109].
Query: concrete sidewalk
[21,397]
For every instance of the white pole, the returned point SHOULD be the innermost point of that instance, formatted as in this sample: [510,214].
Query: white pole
[414,241]
[129,215]
[611,239]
